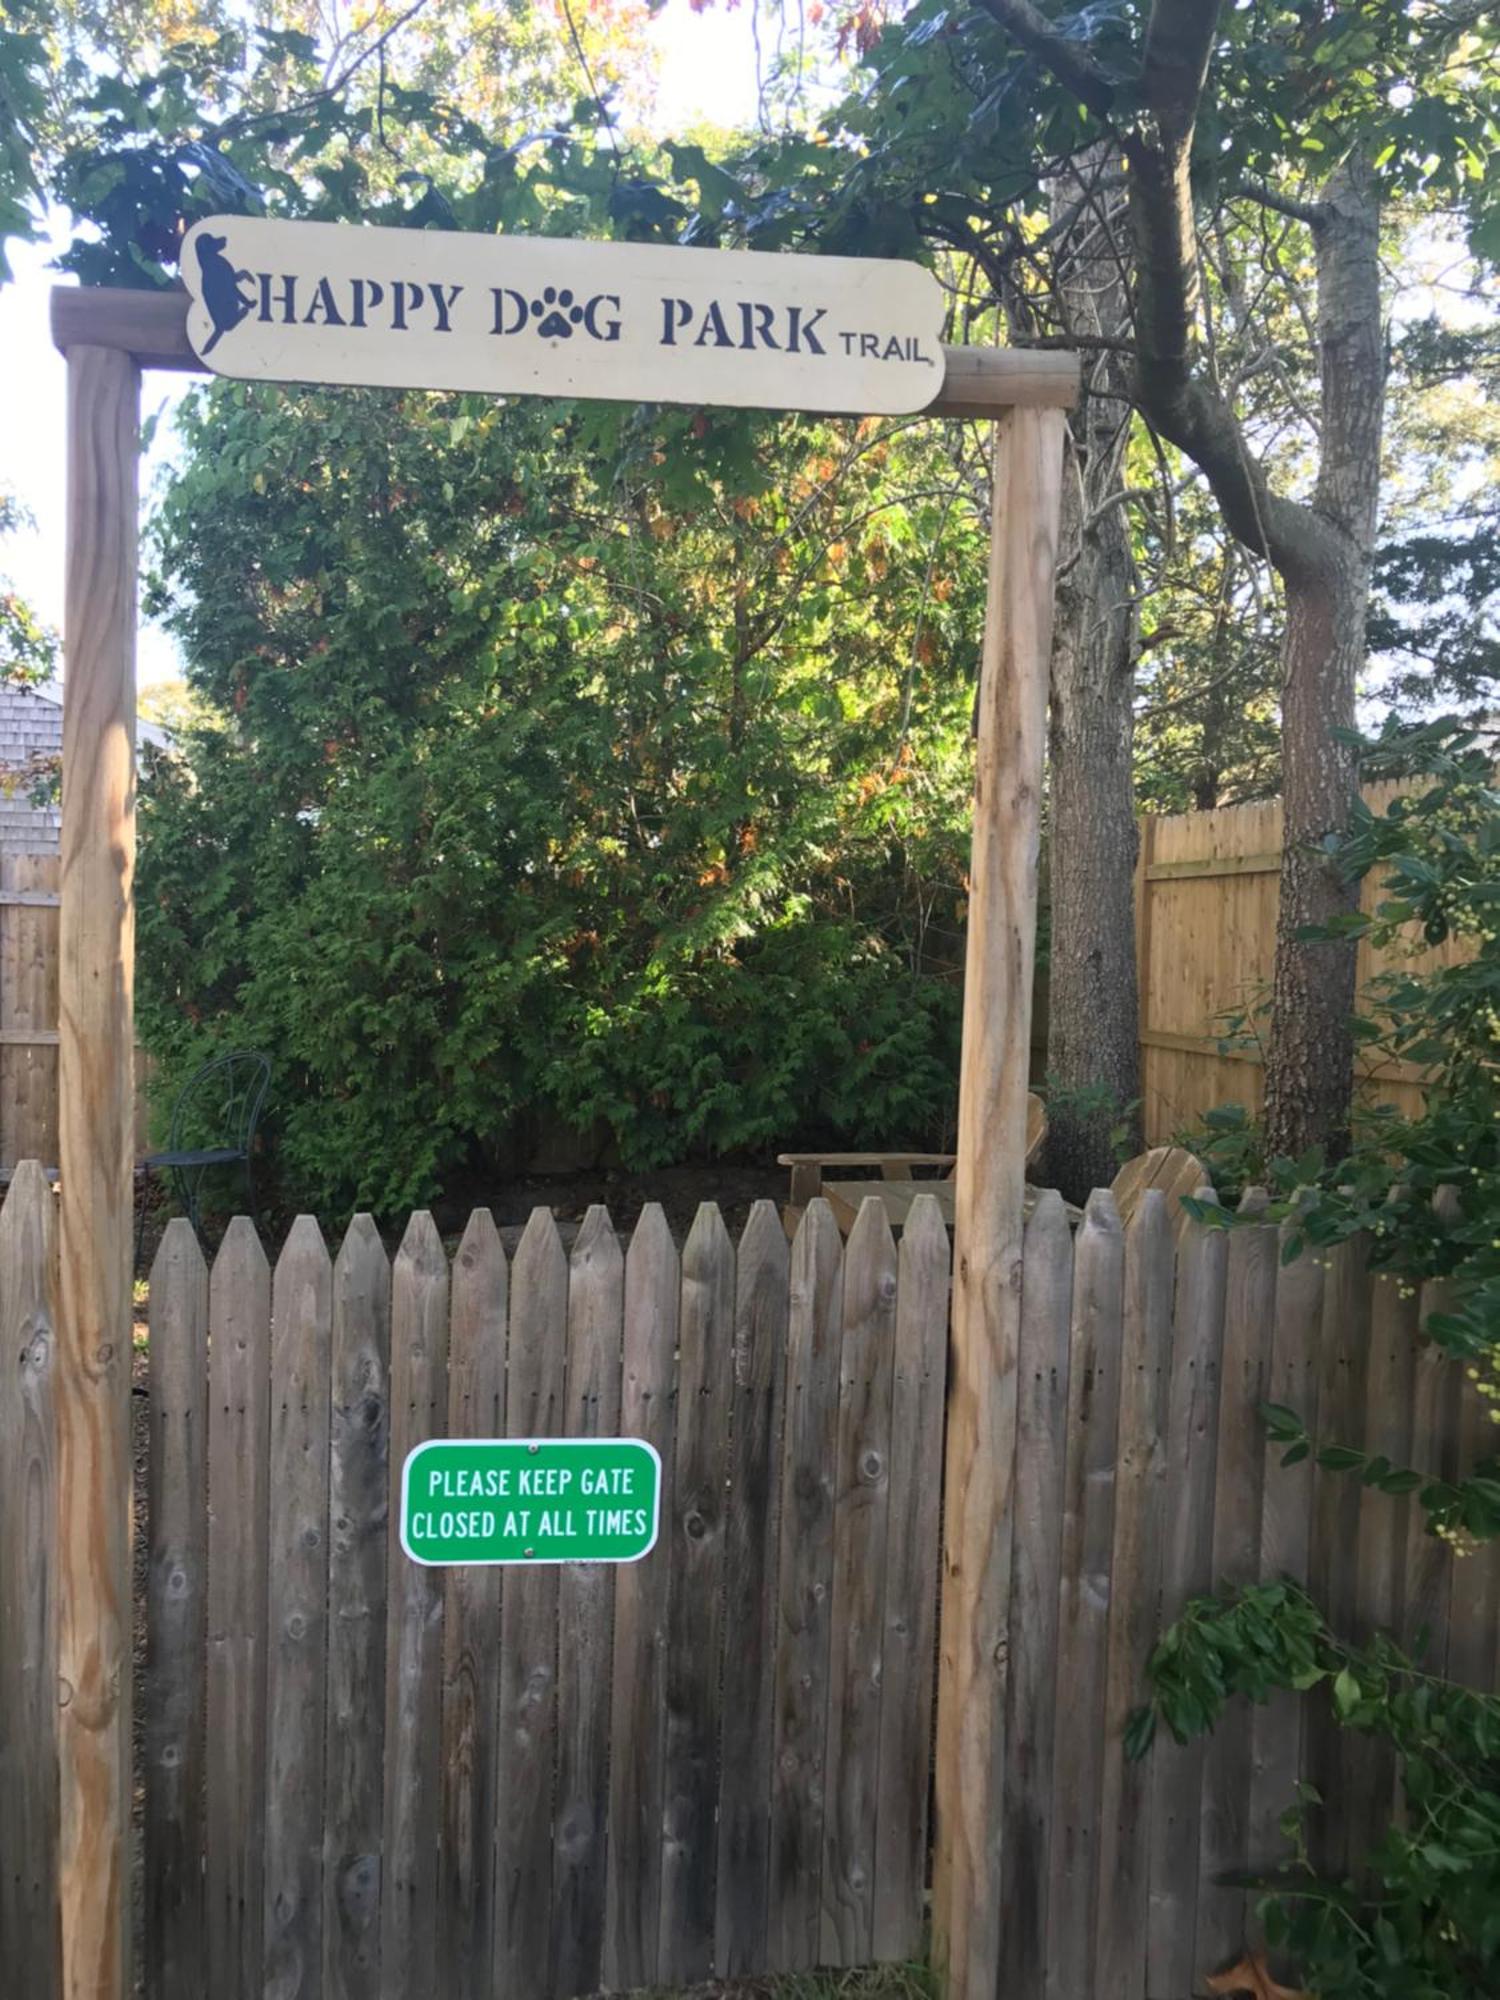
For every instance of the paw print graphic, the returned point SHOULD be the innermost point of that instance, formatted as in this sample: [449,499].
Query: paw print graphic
[557,313]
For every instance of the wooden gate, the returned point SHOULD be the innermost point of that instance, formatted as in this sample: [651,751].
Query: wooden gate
[362,1777]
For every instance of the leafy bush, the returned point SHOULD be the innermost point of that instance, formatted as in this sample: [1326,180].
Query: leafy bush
[1423,1920]
[580,766]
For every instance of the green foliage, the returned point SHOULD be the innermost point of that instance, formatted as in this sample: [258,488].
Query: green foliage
[561,763]
[28,650]
[1424,1190]
[23,67]
[1421,1919]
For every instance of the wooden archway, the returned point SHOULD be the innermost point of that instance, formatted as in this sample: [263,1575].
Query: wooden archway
[108,337]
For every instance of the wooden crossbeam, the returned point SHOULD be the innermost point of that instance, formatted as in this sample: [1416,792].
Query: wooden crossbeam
[152,327]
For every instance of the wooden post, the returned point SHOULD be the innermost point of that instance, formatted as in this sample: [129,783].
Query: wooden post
[95,1121]
[978,1470]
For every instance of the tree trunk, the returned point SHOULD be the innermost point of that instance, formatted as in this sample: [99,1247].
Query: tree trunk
[1093,1052]
[1310,1067]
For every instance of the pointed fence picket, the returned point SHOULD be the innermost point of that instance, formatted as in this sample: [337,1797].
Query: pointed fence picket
[364,1779]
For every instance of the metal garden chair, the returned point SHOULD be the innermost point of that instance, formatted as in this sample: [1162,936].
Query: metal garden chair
[213,1127]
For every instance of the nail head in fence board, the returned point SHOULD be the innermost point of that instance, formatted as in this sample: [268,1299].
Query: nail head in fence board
[585,1621]
[1285,1538]
[695,1625]
[471,1630]
[28,1571]
[176,1611]
[528,1632]
[1249,1315]
[1343,1365]
[239,1332]
[95,1151]
[414,1630]
[1000,962]
[296,1614]
[913,1534]
[760,1326]
[358,1514]
[1437,1384]
[805,1575]
[633,1914]
[1187,1570]
[1135,1588]
[861,1512]
[1036,1559]
[1084,1593]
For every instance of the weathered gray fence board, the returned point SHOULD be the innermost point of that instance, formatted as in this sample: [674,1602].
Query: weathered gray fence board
[176,1610]
[296,1624]
[694,1547]
[585,1621]
[908,1658]
[1083,1607]
[804,1584]
[528,1632]
[1249,1315]
[1187,1569]
[239,1310]
[1041,1449]
[28,1642]
[633,1913]
[861,1507]
[358,1505]
[1141,1499]
[471,1631]
[742,1888]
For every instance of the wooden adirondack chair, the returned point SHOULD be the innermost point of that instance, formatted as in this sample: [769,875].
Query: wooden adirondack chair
[898,1185]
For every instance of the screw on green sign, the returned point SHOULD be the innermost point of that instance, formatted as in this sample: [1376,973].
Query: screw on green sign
[530,1500]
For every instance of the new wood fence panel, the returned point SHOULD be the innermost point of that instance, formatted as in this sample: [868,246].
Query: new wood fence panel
[471,1631]
[750,1596]
[414,1629]
[913,1540]
[29,956]
[524,1792]
[1249,1315]
[1041,1451]
[857,1606]
[28,1543]
[803,1591]
[1083,1608]
[1187,1569]
[176,1611]
[585,1620]
[1141,1499]
[1285,1537]
[633,1913]
[358,1519]
[239,1311]
[694,1539]
[296,1621]
[1343,1366]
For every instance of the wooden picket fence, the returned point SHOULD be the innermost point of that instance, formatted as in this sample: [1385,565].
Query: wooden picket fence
[365,1780]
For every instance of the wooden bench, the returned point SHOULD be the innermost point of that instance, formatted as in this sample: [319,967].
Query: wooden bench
[897,1186]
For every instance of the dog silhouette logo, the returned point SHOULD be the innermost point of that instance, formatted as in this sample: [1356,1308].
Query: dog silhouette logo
[226,304]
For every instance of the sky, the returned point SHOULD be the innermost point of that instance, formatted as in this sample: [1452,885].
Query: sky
[705,71]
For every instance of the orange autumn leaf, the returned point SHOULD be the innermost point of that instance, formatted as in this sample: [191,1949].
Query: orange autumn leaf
[1252,1976]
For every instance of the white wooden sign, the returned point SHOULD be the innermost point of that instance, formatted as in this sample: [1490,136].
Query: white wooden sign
[627,322]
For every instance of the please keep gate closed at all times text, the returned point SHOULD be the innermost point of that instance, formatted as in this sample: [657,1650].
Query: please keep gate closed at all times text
[530,1500]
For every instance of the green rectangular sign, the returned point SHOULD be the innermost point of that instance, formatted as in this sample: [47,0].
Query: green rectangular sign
[530,1500]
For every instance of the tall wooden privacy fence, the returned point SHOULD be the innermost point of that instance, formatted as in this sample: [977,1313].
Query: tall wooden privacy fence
[1207,888]
[365,1778]
[362,1778]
